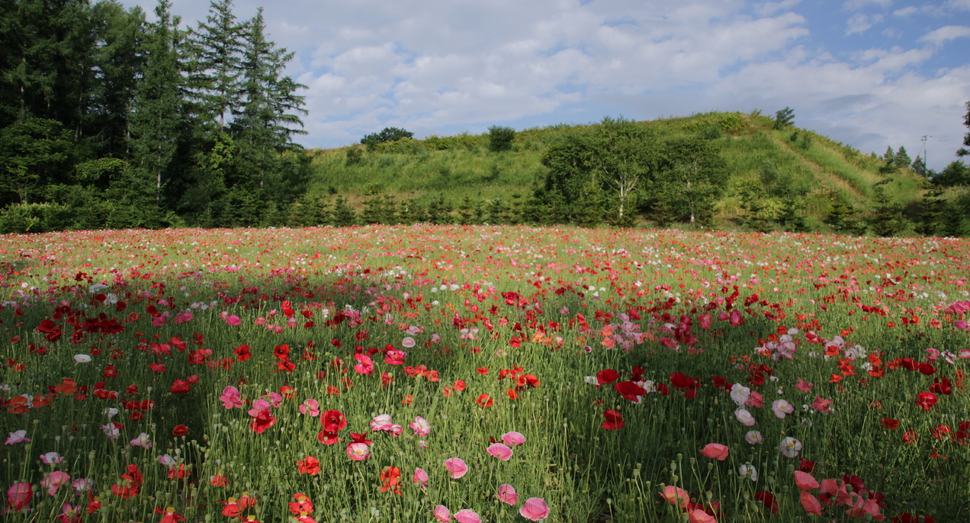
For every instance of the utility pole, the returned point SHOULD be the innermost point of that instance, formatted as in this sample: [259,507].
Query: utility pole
[925,137]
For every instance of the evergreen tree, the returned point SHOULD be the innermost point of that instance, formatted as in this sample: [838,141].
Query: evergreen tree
[887,217]
[157,122]
[343,215]
[953,221]
[215,64]
[267,121]
[901,159]
[931,211]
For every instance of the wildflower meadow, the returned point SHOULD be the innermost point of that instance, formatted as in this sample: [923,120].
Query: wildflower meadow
[477,373]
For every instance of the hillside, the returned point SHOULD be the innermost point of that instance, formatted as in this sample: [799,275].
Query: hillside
[817,169]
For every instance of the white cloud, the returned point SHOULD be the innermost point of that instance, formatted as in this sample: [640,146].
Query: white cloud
[853,5]
[860,23]
[945,34]
[959,4]
[770,8]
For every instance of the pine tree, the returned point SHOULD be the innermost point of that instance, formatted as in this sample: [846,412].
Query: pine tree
[215,64]
[268,118]
[157,120]
[343,215]
[901,159]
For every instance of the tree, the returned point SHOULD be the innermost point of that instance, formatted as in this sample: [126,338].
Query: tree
[388,134]
[964,151]
[33,153]
[919,167]
[901,160]
[269,115]
[500,138]
[955,174]
[157,119]
[784,118]
[887,217]
[214,67]
[691,177]
[607,164]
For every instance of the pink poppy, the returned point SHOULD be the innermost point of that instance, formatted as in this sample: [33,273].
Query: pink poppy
[715,451]
[54,481]
[442,514]
[408,342]
[310,407]
[18,496]
[500,451]
[467,516]
[381,422]
[805,481]
[782,408]
[420,477]
[507,494]
[17,436]
[457,467]
[803,385]
[822,405]
[699,516]
[358,451]
[675,496]
[810,503]
[364,364]
[534,509]
[744,417]
[231,398]
[513,439]
[421,427]
[51,458]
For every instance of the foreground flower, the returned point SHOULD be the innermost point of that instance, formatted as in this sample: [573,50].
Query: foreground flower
[17,436]
[500,451]
[614,420]
[675,496]
[51,458]
[790,447]
[534,509]
[421,427]
[358,451]
[420,477]
[457,467]
[513,438]
[442,514]
[54,481]
[467,516]
[18,496]
[507,494]
[715,451]
[309,465]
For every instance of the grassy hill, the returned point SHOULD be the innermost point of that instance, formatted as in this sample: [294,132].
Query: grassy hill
[462,166]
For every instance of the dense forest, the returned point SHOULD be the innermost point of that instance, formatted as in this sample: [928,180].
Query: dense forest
[109,120]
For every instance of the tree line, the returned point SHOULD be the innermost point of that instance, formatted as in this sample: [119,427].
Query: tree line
[108,120]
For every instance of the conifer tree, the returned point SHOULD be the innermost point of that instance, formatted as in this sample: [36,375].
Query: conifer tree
[157,119]
[215,64]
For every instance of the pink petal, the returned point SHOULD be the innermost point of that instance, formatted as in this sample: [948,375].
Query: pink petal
[534,509]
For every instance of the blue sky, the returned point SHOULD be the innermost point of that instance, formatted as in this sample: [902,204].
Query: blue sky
[869,73]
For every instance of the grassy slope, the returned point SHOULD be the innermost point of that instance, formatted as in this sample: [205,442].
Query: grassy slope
[826,168]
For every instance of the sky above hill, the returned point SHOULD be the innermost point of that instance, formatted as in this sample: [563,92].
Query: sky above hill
[869,73]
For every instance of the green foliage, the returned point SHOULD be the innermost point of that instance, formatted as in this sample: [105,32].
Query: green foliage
[843,218]
[901,159]
[388,134]
[955,174]
[931,211]
[500,138]
[354,156]
[784,118]
[887,217]
[343,215]
[33,153]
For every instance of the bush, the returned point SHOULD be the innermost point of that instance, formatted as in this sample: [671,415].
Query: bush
[500,138]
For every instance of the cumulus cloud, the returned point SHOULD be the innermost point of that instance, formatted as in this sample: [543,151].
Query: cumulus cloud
[945,34]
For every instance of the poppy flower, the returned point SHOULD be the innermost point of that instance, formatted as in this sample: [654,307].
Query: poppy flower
[442,514]
[790,447]
[926,400]
[301,505]
[310,465]
[507,494]
[358,451]
[614,420]
[768,500]
[810,503]
[180,430]
[456,467]
[534,509]
[805,481]
[500,451]
[17,436]
[420,477]
[19,495]
[715,451]
[513,439]
[467,516]
[675,496]
[484,400]
[54,481]
[333,421]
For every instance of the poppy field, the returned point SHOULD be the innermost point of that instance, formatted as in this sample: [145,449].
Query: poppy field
[500,374]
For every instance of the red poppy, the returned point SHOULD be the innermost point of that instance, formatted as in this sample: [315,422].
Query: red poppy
[606,376]
[333,421]
[180,430]
[484,400]
[614,420]
[891,424]
[390,477]
[310,465]
[910,437]
[179,387]
[302,505]
[926,400]
[219,480]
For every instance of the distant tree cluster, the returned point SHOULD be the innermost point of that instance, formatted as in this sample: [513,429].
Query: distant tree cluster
[108,120]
